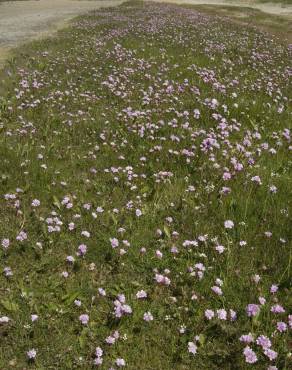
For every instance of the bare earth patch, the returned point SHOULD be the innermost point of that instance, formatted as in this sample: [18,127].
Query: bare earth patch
[275,18]
[21,21]
[270,8]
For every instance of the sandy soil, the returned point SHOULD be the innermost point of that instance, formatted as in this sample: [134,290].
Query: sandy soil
[21,21]
[270,8]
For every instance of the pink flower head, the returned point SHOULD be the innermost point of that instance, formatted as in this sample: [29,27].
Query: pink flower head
[274,288]
[246,338]
[98,361]
[263,341]
[98,352]
[281,326]
[35,203]
[277,309]
[217,290]
[31,354]
[220,249]
[252,309]
[5,243]
[233,315]
[257,180]
[272,355]
[250,356]
[82,249]
[84,318]
[209,314]
[141,294]
[221,314]
[161,279]
[114,242]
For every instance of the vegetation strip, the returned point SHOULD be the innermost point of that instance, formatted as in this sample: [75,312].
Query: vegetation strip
[146,195]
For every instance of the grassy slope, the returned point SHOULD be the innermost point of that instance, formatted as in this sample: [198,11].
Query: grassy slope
[57,104]
[279,25]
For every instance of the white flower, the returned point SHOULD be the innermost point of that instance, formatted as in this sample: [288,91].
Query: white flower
[4,320]
[192,348]
[138,212]
[148,316]
[35,203]
[120,362]
[34,317]
[228,224]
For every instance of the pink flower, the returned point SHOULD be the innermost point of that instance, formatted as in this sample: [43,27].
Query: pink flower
[220,249]
[98,352]
[77,303]
[233,315]
[222,314]
[82,249]
[272,355]
[158,254]
[98,361]
[197,113]
[35,203]
[209,314]
[262,300]
[277,309]
[274,288]
[5,243]
[141,294]
[31,354]
[161,279]
[281,326]
[263,341]
[70,259]
[250,356]
[252,309]
[84,318]
[102,292]
[217,290]
[257,180]
[246,338]
[21,236]
[226,176]
[290,321]
[114,242]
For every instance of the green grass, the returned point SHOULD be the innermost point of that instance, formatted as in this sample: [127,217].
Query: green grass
[279,25]
[66,133]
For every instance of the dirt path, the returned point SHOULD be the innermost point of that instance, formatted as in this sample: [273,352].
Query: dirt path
[270,8]
[21,21]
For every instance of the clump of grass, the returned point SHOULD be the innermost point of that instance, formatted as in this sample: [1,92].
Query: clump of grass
[146,195]
[279,25]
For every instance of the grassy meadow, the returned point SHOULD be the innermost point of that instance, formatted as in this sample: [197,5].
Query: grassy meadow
[146,195]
